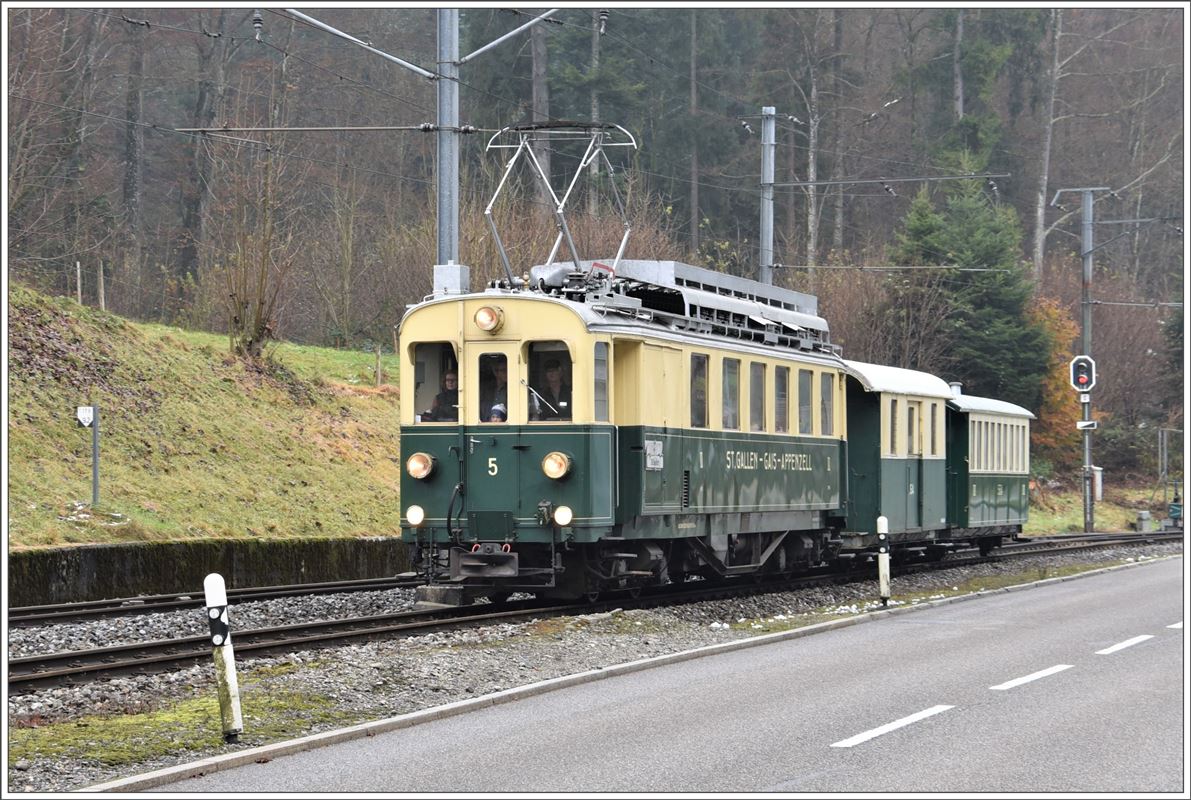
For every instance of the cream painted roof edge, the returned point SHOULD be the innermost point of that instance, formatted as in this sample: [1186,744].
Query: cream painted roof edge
[895,380]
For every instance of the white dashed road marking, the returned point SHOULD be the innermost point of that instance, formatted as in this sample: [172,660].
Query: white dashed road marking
[892,726]
[1177,626]
[1124,644]
[1031,677]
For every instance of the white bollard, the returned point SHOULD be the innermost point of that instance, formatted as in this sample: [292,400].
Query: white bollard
[225,658]
[883,558]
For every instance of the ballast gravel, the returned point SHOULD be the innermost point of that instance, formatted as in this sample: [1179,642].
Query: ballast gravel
[381,679]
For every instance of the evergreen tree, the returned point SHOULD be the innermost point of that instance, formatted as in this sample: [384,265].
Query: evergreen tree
[987,339]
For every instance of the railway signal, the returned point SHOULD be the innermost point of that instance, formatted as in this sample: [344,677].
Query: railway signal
[1083,373]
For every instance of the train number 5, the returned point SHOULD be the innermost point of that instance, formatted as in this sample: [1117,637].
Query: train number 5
[492,468]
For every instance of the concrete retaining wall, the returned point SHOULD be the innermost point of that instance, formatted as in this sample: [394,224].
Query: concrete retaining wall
[96,572]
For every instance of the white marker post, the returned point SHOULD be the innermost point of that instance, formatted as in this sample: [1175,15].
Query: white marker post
[883,558]
[88,417]
[225,659]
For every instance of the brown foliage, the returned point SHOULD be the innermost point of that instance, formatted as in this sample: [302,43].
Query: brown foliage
[1053,435]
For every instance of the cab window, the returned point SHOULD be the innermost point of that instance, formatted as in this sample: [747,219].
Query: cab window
[436,382]
[548,396]
[494,387]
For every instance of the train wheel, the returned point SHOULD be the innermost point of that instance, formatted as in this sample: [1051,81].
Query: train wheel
[987,544]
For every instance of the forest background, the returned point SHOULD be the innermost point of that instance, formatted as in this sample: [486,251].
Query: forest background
[325,237]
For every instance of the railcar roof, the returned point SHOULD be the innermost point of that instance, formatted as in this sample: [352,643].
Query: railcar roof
[967,403]
[895,380]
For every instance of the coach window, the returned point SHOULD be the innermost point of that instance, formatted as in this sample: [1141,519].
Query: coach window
[756,396]
[912,429]
[436,382]
[698,390]
[781,399]
[893,426]
[601,382]
[934,429]
[805,384]
[827,403]
[731,394]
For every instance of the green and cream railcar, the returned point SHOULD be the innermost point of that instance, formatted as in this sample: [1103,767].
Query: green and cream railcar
[988,467]
[703,429]
[897,457]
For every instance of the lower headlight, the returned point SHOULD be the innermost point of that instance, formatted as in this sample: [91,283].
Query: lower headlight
[419,466]
[556,465]
[563,516]
[415,515]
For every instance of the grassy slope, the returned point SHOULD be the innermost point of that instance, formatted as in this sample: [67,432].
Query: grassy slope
[193,443]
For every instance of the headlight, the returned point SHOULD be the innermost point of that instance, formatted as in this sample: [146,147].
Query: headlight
[489,318]
[419,466]
[415,515]
[556,464]
[563,516]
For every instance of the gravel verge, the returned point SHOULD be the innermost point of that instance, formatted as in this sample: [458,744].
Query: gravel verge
[360,682]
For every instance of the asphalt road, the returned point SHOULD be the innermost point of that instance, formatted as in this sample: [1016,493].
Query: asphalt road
[1010,693]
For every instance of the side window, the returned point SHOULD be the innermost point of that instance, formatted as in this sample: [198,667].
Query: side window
[781,399]
[756,396]
[893,426]
[601,382]
[805,384]
[731,394]
[827,401]
[698,390]
[436,382]
[934,429]
[548,396]
[912,428]
[494,387]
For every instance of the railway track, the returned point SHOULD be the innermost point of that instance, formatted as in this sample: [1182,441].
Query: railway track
[24,616]
[33,672]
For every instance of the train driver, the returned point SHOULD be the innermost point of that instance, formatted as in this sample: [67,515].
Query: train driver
[446,402]
[554,395]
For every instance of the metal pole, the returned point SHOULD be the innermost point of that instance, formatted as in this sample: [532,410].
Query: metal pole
[78,282]
[768,146]
[1085,340]
[448,136]
[95,461]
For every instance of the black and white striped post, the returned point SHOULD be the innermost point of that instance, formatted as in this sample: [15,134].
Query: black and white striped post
[225,659]
[883,558]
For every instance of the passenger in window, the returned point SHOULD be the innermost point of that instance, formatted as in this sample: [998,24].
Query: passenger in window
[498,413]
[446,402]
[496,390]
[555,393]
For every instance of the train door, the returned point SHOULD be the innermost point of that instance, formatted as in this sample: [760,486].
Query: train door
[493,403]
[913,464]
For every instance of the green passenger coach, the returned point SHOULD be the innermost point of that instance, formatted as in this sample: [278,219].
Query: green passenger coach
[988,470]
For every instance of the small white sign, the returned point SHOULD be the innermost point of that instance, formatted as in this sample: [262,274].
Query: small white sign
[85,415]
[1086,425]
[653,454]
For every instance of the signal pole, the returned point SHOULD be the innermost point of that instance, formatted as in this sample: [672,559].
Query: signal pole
[1085,341]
